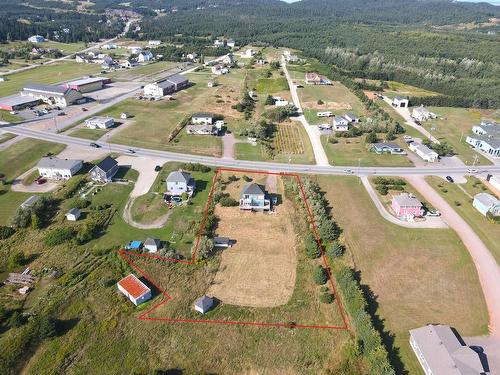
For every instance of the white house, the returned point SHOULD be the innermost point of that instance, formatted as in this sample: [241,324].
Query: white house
[109,46]
[422,114]
[249,53]
[134,289]
[130,63]
[125,115]
[134,49]
[152,245]
[202,118]
[202,129]
[424,152]
[401,102]
[441,351]
[99,122]
[145,56]
[218,43]
[340,124]
[73,214]
[36,39]
[486,203]
[281,103]
[179,182]
[192,56]
[203,304]
[228,59]
[54,168]
[495,181]
[486,137]
[219,69]
[154,43]
[231,43]
[351,117]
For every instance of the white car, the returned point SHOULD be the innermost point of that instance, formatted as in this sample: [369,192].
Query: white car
[407,137]
[433,213]
[471,171]
[348,171]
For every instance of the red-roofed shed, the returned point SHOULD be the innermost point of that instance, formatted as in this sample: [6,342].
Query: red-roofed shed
[134,289]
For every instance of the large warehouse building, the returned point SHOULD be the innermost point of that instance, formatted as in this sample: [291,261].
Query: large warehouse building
[167,86]
[18,102]
[51,94]
[88,84]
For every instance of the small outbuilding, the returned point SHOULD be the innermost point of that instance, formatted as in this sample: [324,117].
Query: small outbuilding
[203,304]
[73,214]
[134,289]
[222,242]
[134,245]
[152,245]
[401,102]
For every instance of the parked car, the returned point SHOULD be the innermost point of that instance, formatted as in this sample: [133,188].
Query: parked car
[61,114]
[433,213]
[157,168]
[13,112]
[471,171]
[449,179]
[40,181]
[348,171]
[95,145]
[84,109]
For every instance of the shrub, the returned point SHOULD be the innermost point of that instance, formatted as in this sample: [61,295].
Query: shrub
[184,196]
[80,203]
[228,202]
[45,327]
[320,102]
[382,189]
[6,232]
[246,178]
[328,230]
[457,203]
[205,248]
[16,259]
[312,248]
[35,221]
[22,218]
[58,236]
[335,249]
[326,297]
[333,141]
[320,276]
[195,167]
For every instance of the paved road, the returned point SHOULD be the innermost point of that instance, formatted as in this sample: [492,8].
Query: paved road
[486,265]
[405,113]
[245,164]
[431,222]
[312,131]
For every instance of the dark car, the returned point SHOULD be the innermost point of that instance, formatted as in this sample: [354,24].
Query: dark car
[40,181]
[157,168]
[61,114]
[84,109]
[95,145]
[449,179]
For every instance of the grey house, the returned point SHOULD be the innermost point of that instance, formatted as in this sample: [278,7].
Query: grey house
[254,198]
[179,182]
[105,170]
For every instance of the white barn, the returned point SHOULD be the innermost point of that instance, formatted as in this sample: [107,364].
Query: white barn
[54,168]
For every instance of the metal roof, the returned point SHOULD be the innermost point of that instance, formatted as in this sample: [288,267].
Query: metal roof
[486,199]
[253,189]
[204,302]
[56,163]
[133,286]
[107,163]
[48,89]
[86,81]
[179,176]
[177,79]
[404,199]
[17,100]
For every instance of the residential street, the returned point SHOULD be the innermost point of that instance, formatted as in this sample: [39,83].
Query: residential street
[312,131]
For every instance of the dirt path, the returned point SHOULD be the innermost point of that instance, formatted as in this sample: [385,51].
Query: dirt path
[228,140]
[431,222]
[487,268]
[127,216]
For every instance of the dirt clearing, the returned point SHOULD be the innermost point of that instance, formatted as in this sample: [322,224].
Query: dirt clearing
[260,269]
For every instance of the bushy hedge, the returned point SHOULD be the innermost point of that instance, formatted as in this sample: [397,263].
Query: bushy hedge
[195,167]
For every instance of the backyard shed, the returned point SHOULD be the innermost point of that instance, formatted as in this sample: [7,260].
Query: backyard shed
[203,304]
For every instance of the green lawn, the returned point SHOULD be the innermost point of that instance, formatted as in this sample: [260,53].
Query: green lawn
[8,117]
[455,126]
[4,137]
[9,203]
[271,85]
[53,73]
[416,276]
[246,151]
[398,88]
[92,134]
[462,203]
[354,151]
[25,154]
[142,71]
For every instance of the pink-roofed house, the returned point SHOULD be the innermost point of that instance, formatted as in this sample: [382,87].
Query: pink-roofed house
[406,206]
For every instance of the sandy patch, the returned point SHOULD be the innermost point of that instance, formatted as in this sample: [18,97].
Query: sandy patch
[260,269]
[327,106]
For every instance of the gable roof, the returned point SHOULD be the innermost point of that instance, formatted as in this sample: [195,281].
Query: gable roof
[202,114]
[107,164]
[53,162]
[404,199]
[486,199]
[179,176]
[401,98]
[152,242]
[74,211]
[47,89]
[253,189]
[390,145]
[177,79]
[135,287]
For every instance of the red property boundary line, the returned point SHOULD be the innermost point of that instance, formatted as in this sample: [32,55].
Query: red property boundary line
[126,255]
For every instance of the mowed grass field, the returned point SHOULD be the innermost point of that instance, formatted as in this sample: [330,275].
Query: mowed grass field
[416,276]
[455,126]
[53,73]
[462,194]
[398,88]
[143,71]
[15,160]
[354,151]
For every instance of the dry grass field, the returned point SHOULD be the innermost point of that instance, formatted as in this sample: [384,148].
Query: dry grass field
[260,269]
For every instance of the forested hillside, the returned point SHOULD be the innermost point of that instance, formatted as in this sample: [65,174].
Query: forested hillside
[365,38]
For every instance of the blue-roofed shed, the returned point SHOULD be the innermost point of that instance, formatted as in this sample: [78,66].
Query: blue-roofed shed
[134,245]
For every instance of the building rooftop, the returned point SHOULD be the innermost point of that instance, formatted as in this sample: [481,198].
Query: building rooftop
[492,140]
[48,89]
[486,199]
[135,287]
[179,176]
[204,302]
[177,79]
[202,114]
[86,81]
[107,163]
[424,149]
[56,163]
[30,201]
[445,352]
[17,100]
[387,144]
[152,242]
[74,211]
[165,84]
[401,98]
[253,189]
[404,199]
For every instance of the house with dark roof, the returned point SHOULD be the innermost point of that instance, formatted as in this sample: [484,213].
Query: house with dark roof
[179,182]
[254,198]
[105,170]
[73,214]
